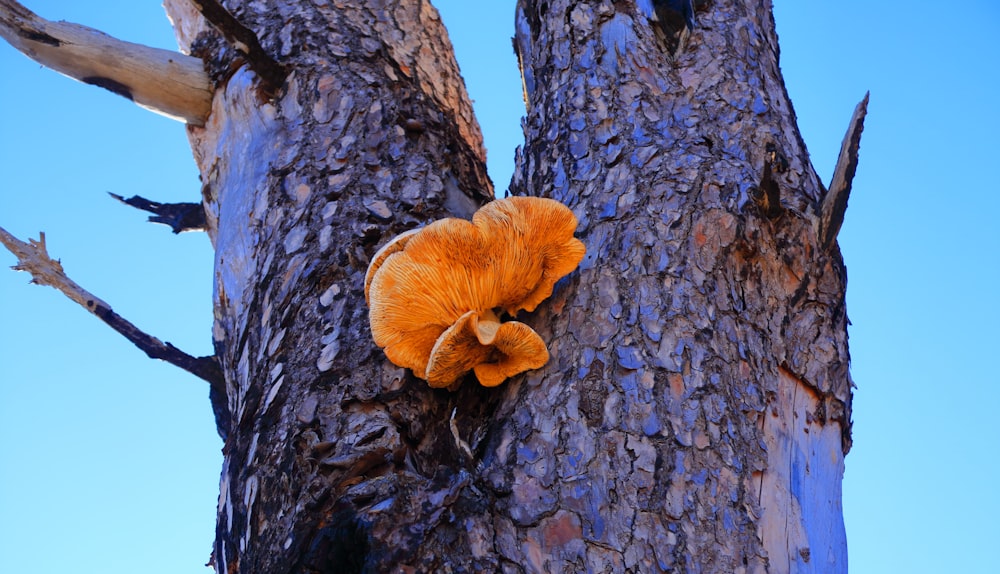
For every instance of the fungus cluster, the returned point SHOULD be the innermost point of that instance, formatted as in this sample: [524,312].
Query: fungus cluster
[436,295]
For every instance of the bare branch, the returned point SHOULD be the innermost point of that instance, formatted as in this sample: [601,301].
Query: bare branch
[835,201]
[33,257]
[180,217]
[166,82]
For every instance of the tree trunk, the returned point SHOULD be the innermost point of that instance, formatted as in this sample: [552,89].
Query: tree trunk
[695,410]
[333,455]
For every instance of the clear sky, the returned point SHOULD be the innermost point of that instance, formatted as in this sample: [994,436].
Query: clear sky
[109,462]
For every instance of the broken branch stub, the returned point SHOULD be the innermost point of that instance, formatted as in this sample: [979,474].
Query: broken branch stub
[180,217]
[834,204]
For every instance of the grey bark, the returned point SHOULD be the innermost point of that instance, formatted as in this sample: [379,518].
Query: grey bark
[695,411]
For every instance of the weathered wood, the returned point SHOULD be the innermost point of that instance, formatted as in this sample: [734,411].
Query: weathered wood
[834,205]
[802,519]
[169,83]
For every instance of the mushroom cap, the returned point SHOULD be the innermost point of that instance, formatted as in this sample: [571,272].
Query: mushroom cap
[480,342]
[427,281]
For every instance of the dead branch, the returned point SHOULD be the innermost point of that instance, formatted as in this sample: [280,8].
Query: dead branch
[835,201]
[33,257]
[180,217]
[166,82]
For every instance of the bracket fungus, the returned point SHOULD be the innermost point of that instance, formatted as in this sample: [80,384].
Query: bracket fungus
[436,294]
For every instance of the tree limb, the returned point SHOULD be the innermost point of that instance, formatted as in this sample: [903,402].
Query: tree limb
[835,201]
[34,258]
[179,216]
[166,82]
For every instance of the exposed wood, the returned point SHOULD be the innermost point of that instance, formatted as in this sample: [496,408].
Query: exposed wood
[169,83]
[34,258]
[180,217]
[835,201]
[799,493]
[767,194]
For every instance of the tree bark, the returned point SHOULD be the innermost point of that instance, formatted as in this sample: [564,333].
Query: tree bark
[695,411]
[334,455]
[704,398]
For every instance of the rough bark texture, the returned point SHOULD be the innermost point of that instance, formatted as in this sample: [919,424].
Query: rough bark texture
[691,304]
[334,455]
[696,408]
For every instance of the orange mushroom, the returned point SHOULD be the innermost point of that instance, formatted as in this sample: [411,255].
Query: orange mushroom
[540,232]
[434,293]
[481,343]
[395,245]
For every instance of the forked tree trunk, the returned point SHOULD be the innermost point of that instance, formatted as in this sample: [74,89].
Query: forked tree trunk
[695,411]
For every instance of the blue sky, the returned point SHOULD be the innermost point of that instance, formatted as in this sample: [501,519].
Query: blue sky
[109,461]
